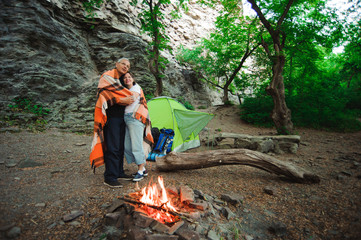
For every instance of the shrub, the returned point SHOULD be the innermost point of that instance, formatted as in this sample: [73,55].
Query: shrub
[229,103]
[148,97]
[187,104]
[257,111]
[27,113]
[318,109]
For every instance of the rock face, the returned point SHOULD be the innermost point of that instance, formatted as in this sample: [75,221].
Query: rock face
[52,55]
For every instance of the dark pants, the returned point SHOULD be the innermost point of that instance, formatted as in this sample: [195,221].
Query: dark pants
[114,133]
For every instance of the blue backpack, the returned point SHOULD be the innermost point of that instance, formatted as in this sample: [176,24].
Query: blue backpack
[164,144]
[165,141]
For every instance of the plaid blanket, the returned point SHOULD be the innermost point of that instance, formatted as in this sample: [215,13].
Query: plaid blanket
[110,91]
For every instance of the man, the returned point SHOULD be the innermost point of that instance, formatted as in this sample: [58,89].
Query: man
[109,125]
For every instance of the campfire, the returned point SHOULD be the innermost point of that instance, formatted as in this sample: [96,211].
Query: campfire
[172,212]
[163,204]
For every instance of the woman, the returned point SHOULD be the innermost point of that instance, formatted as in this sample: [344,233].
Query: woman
[136,118]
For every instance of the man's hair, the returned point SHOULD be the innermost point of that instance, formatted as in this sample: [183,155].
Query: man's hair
[120,59]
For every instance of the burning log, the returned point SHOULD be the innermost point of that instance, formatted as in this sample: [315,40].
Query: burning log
[186,161]
[160,208]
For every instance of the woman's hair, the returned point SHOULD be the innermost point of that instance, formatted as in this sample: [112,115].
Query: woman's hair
[121,79]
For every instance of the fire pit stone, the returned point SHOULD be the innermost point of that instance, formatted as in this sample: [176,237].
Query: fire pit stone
[116,204]
[159,227]
[112,218]
[175,227]
[135,233]
[232,198]
[142,220]
[200,205]
[162,237]
[187,234]
[186,194]
[198,216]
[228,213]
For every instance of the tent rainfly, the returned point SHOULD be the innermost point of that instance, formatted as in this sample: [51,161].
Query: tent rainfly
[166,112]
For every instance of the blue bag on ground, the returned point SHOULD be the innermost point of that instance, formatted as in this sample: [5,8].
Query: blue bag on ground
[164,144]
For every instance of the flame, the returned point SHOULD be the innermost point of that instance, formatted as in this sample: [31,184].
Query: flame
[153,196]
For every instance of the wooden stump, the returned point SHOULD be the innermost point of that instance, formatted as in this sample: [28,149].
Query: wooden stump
[185,161]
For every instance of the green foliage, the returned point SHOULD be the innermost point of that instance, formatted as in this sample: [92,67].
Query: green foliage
[323,111]
[187,104]
[90,6]
[228,103]
[22,104]
[295,30]
[317,99]
[148,96]
[354,98]
[220,58]
[257,111]
[326,114]
[27,113]
[151,17]
[202,107]
[351,60]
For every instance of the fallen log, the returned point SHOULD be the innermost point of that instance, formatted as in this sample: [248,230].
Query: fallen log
[186,161]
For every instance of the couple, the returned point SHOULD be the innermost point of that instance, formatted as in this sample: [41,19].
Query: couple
[121,126]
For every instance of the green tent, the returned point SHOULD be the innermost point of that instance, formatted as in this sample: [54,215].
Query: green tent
[166,112]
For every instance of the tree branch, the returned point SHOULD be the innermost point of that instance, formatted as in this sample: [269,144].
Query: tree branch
[265,47]
[283,16]
[261,16]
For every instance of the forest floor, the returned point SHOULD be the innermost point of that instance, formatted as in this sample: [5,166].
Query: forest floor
[46,175]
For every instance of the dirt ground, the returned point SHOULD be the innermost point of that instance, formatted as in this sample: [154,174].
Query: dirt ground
[44,176]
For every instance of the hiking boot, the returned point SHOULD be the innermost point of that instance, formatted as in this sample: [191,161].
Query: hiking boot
[114,184]
[125,177]
[138,177]
[145,173]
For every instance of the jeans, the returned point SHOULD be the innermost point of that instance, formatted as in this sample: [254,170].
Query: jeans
[133,143]
[114,133]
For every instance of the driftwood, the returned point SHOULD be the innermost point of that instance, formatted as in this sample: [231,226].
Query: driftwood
[185,161]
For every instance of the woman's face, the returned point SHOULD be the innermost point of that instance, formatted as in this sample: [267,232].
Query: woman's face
[128,80]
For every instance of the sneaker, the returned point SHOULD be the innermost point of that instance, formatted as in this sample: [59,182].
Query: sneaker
[145,173]
[125,177]
[114,184]
[138,177]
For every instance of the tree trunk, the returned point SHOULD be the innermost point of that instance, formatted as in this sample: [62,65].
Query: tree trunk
[281,114]
[225,94]
[154,62]
[185,161]
[159,87]
[154,69]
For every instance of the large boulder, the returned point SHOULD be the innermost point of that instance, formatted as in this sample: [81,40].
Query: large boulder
[51,55]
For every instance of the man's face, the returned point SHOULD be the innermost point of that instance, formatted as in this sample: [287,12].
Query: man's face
[123,66]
